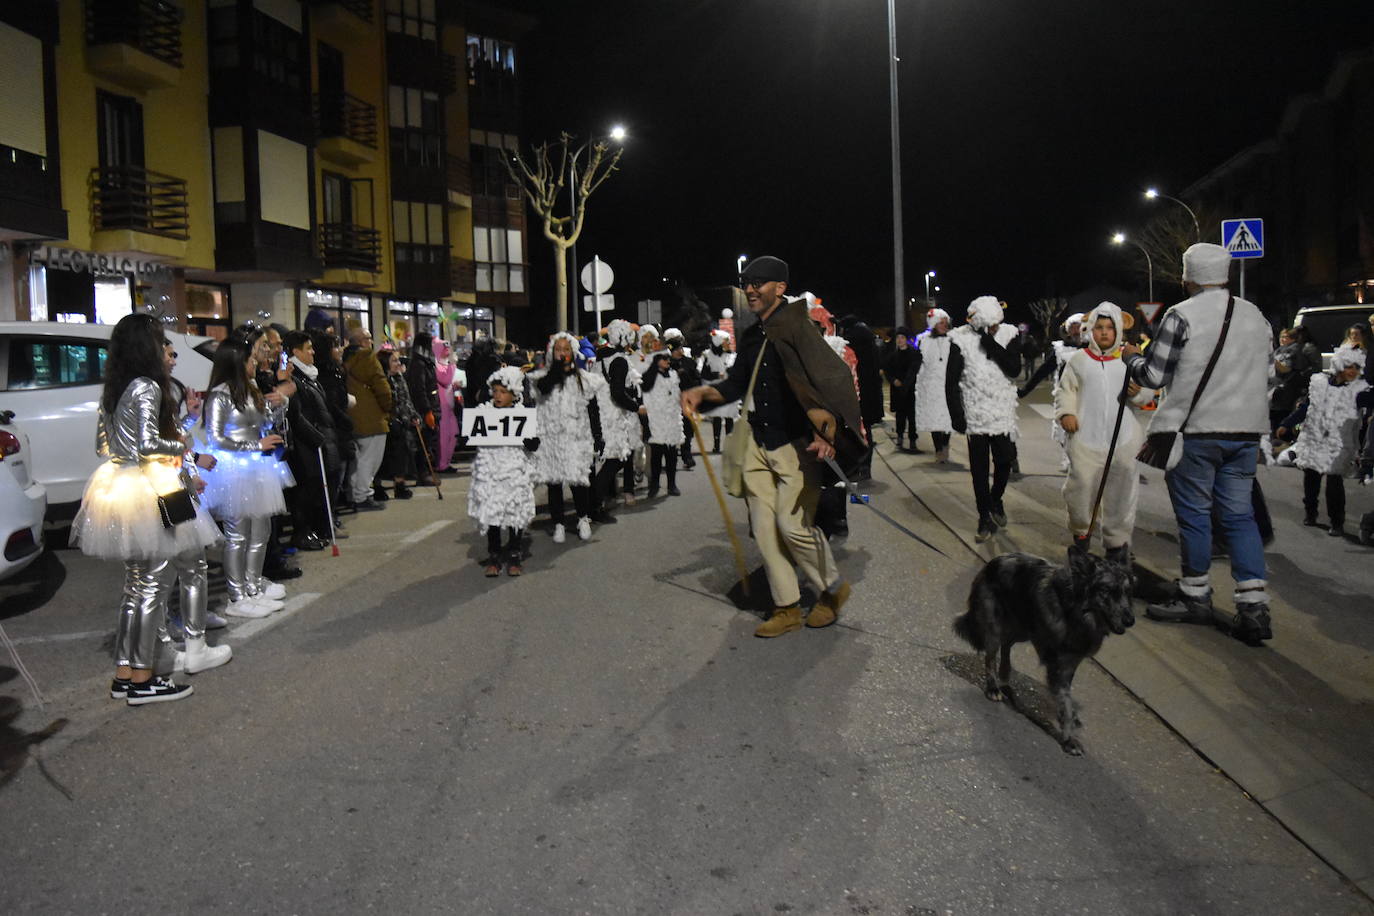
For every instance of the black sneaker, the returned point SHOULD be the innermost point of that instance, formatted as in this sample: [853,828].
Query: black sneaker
[673,490]
[380,495]
[369,505]
[404,492]
[999,516]
[1337,530]
[1183,609]
[158,690]
[986,529]
[1250,625]
[1309,520]
[119,688]
[603,518]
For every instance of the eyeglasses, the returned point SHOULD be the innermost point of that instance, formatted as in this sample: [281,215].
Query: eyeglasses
[746,282]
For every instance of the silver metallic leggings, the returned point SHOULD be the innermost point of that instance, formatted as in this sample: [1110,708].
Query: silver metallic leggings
[140,613]
[190,569]
[245,549]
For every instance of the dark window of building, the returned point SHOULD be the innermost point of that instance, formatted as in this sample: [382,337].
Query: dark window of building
[224,38]
[277,52]
[417,18]
[417,127]
[119,124]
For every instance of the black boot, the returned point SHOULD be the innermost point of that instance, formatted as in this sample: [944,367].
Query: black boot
[1183,609]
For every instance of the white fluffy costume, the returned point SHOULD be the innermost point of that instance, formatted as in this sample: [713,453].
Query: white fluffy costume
[502,489]
[713,366]
[662,398]
[619,425]
[932,410]
[567,446]
[989,397]
[1329,441]
[1088,390]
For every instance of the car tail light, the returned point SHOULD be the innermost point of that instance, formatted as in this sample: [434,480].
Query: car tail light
[9,444]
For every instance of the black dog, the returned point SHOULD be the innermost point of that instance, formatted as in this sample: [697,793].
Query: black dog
[1065,612]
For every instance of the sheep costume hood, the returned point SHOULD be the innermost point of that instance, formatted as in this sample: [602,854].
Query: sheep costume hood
[644,331]
[984,312]
[511,379]
[1105,310]
[934,317]
[561,335]
[719,337]
[620,334]
[1347,356]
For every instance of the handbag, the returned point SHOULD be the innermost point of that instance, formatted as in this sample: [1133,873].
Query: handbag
[737,443]
[1163,450]
[175,507]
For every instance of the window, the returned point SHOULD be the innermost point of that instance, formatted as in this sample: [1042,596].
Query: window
[53,362]
[277,52]
[417,127]
[498,253]
[416,18]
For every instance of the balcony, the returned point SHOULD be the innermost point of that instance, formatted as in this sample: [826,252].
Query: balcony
[351,254]
[345,129]
[462,278]
[353,16]
[459,175]
[135,43]
[134,209]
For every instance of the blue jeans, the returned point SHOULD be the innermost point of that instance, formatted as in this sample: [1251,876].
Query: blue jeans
[1222,471]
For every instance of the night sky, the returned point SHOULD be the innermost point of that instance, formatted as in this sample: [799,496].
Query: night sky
[1029,130]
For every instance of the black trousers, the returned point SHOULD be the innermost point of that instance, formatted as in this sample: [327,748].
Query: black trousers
[582,501]
[1335,494]
[904,407]
[686,447]
[1000,450]
[941,440]
[513,546]
[661,457]
[715,431]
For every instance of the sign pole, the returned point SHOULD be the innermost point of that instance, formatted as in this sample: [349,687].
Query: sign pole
[596,291]
[1242,279]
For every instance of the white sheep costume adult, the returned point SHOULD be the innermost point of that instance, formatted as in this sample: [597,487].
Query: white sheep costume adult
[663,401]
[502,488]
[932,410]
[619,426]
[1088,389]
[1329,441]
[566,445]
[714,365]
[989,397]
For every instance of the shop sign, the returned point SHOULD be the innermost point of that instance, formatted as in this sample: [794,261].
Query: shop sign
[77,261]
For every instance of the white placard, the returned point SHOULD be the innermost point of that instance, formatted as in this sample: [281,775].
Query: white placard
[488,425]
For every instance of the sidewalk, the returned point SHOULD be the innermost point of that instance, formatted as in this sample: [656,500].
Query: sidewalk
[1293,723]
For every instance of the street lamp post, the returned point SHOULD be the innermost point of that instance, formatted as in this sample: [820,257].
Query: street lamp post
[617,134]
[739,264]
[1119,239]
[930,274]
[1152,193]
[898,255]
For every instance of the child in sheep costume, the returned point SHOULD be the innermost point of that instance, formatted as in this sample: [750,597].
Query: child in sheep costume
[662,392]
[1085,407]
[1329,442]
[926,380]
[980,388]
[619,408]
[569,431]
[713,365]
[501,496]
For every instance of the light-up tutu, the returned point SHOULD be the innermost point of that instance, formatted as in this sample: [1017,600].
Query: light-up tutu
[119,517]
[244,485]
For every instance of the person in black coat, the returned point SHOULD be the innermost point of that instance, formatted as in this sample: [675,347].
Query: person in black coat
[902,394]
[314,444]
[688,377]
[334,383]
[482,362]
[424,395]
[864,343]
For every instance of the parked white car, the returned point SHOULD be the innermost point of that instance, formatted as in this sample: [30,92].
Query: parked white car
[1327,325]
[50,378]
[23,501]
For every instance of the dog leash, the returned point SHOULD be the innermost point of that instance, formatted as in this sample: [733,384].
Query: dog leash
[862,499]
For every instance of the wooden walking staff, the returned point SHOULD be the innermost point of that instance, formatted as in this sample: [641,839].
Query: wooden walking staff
[724,508]
[420,434]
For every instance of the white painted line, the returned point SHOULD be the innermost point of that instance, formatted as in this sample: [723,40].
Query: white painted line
[419,535]
[246,631]
[59,637]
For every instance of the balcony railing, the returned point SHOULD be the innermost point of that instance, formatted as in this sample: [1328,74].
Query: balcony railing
[151,26]
[131,197]
[344,246]
[462,275]
[360,8]
[459,175]
[343,115]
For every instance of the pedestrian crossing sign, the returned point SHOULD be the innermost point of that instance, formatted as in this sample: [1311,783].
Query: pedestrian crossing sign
[1244,238]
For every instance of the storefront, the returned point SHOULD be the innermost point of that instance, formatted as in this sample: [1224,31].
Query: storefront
[66,284]
[405,318]
[346,310]
[207,310]
[466,324]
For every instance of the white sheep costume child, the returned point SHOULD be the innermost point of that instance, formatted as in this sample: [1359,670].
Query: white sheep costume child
[1329,443]
[569,434]
[501,495]
[1088,390]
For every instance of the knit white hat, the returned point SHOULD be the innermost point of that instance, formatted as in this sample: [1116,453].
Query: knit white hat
[984,312]
[1206,264]
[509,378]
[671,333]
[1346,356]
[934,317]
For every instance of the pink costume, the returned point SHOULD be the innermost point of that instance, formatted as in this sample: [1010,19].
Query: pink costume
[448,419]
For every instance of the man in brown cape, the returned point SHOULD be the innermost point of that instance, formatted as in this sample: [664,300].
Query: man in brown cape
[804,411]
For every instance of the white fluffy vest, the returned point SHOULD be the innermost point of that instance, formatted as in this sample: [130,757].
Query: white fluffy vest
[932,410]
[665,410]
[1329,440]
[566,449]
[989,396]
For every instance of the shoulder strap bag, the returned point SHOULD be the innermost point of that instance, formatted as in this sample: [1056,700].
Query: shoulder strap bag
[737,443]
[1163,450]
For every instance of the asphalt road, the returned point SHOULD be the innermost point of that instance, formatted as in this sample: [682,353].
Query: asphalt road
[604,735]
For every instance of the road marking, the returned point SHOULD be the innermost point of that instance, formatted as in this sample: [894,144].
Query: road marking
[59,637]
[1045,410]
[419,535]
[255,625]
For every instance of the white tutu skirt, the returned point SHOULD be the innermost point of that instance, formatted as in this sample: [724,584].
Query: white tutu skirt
[244,485]
[119,517]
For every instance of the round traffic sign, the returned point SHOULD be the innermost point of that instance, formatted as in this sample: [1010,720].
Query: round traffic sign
[602,280]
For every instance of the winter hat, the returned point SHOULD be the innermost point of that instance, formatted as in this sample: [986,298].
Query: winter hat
[935,316]
[509,378]
[719,337]
[902,330]
[619,333]
[1206,264]
[672,334]
[765,269]
[984,312]
[1104,310]
[1075,319]
[1346,356]
[548,352]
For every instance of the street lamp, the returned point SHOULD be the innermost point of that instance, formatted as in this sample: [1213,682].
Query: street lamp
[1120,239]
[617,133]
[739,264]
[930,274]
[1152,193]
[898,254]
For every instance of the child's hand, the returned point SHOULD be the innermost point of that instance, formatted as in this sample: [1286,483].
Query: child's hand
[1069,422]
[1132,390]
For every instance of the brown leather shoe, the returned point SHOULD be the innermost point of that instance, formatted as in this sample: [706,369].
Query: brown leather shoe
[784,620]
[827,607]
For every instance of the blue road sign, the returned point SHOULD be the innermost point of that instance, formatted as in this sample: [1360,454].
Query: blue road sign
[1244,238]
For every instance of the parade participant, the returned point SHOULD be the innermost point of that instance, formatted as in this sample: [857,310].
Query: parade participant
[450,420]
[570,433]
[1220,423]
[619,411]
[980,387]
[832,509]
[244,492]
[422,380]
[663,408]
[926,379]
[372,399]
[715,362]
[502,493]
[120,517]
[647,346]
[402,438]
[896,368]
[804,408]
[1328,444]
[1085,406]
[688,377]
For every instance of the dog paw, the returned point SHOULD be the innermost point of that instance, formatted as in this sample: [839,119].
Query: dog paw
[1072,746]
[993,693]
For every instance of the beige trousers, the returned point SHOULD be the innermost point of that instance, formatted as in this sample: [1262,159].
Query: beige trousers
[782,487]
[1117,519]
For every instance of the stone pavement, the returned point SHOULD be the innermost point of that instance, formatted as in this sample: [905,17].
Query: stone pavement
[1293,723]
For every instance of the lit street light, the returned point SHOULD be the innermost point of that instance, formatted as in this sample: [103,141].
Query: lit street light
[1152,193]
[1120,239]
[618,134]
[929,275]
[898,253]
[739,264]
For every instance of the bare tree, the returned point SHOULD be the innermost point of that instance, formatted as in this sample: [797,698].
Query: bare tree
[1168,233]
[543,174]
[1049,312]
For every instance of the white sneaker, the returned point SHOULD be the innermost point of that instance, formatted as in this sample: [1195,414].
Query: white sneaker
[559,534]
[246,607]
[200,657]
[274,590]
[271,604]
[584,528]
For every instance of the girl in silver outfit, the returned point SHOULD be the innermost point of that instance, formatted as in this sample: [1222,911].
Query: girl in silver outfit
[119,516]
[245,489]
